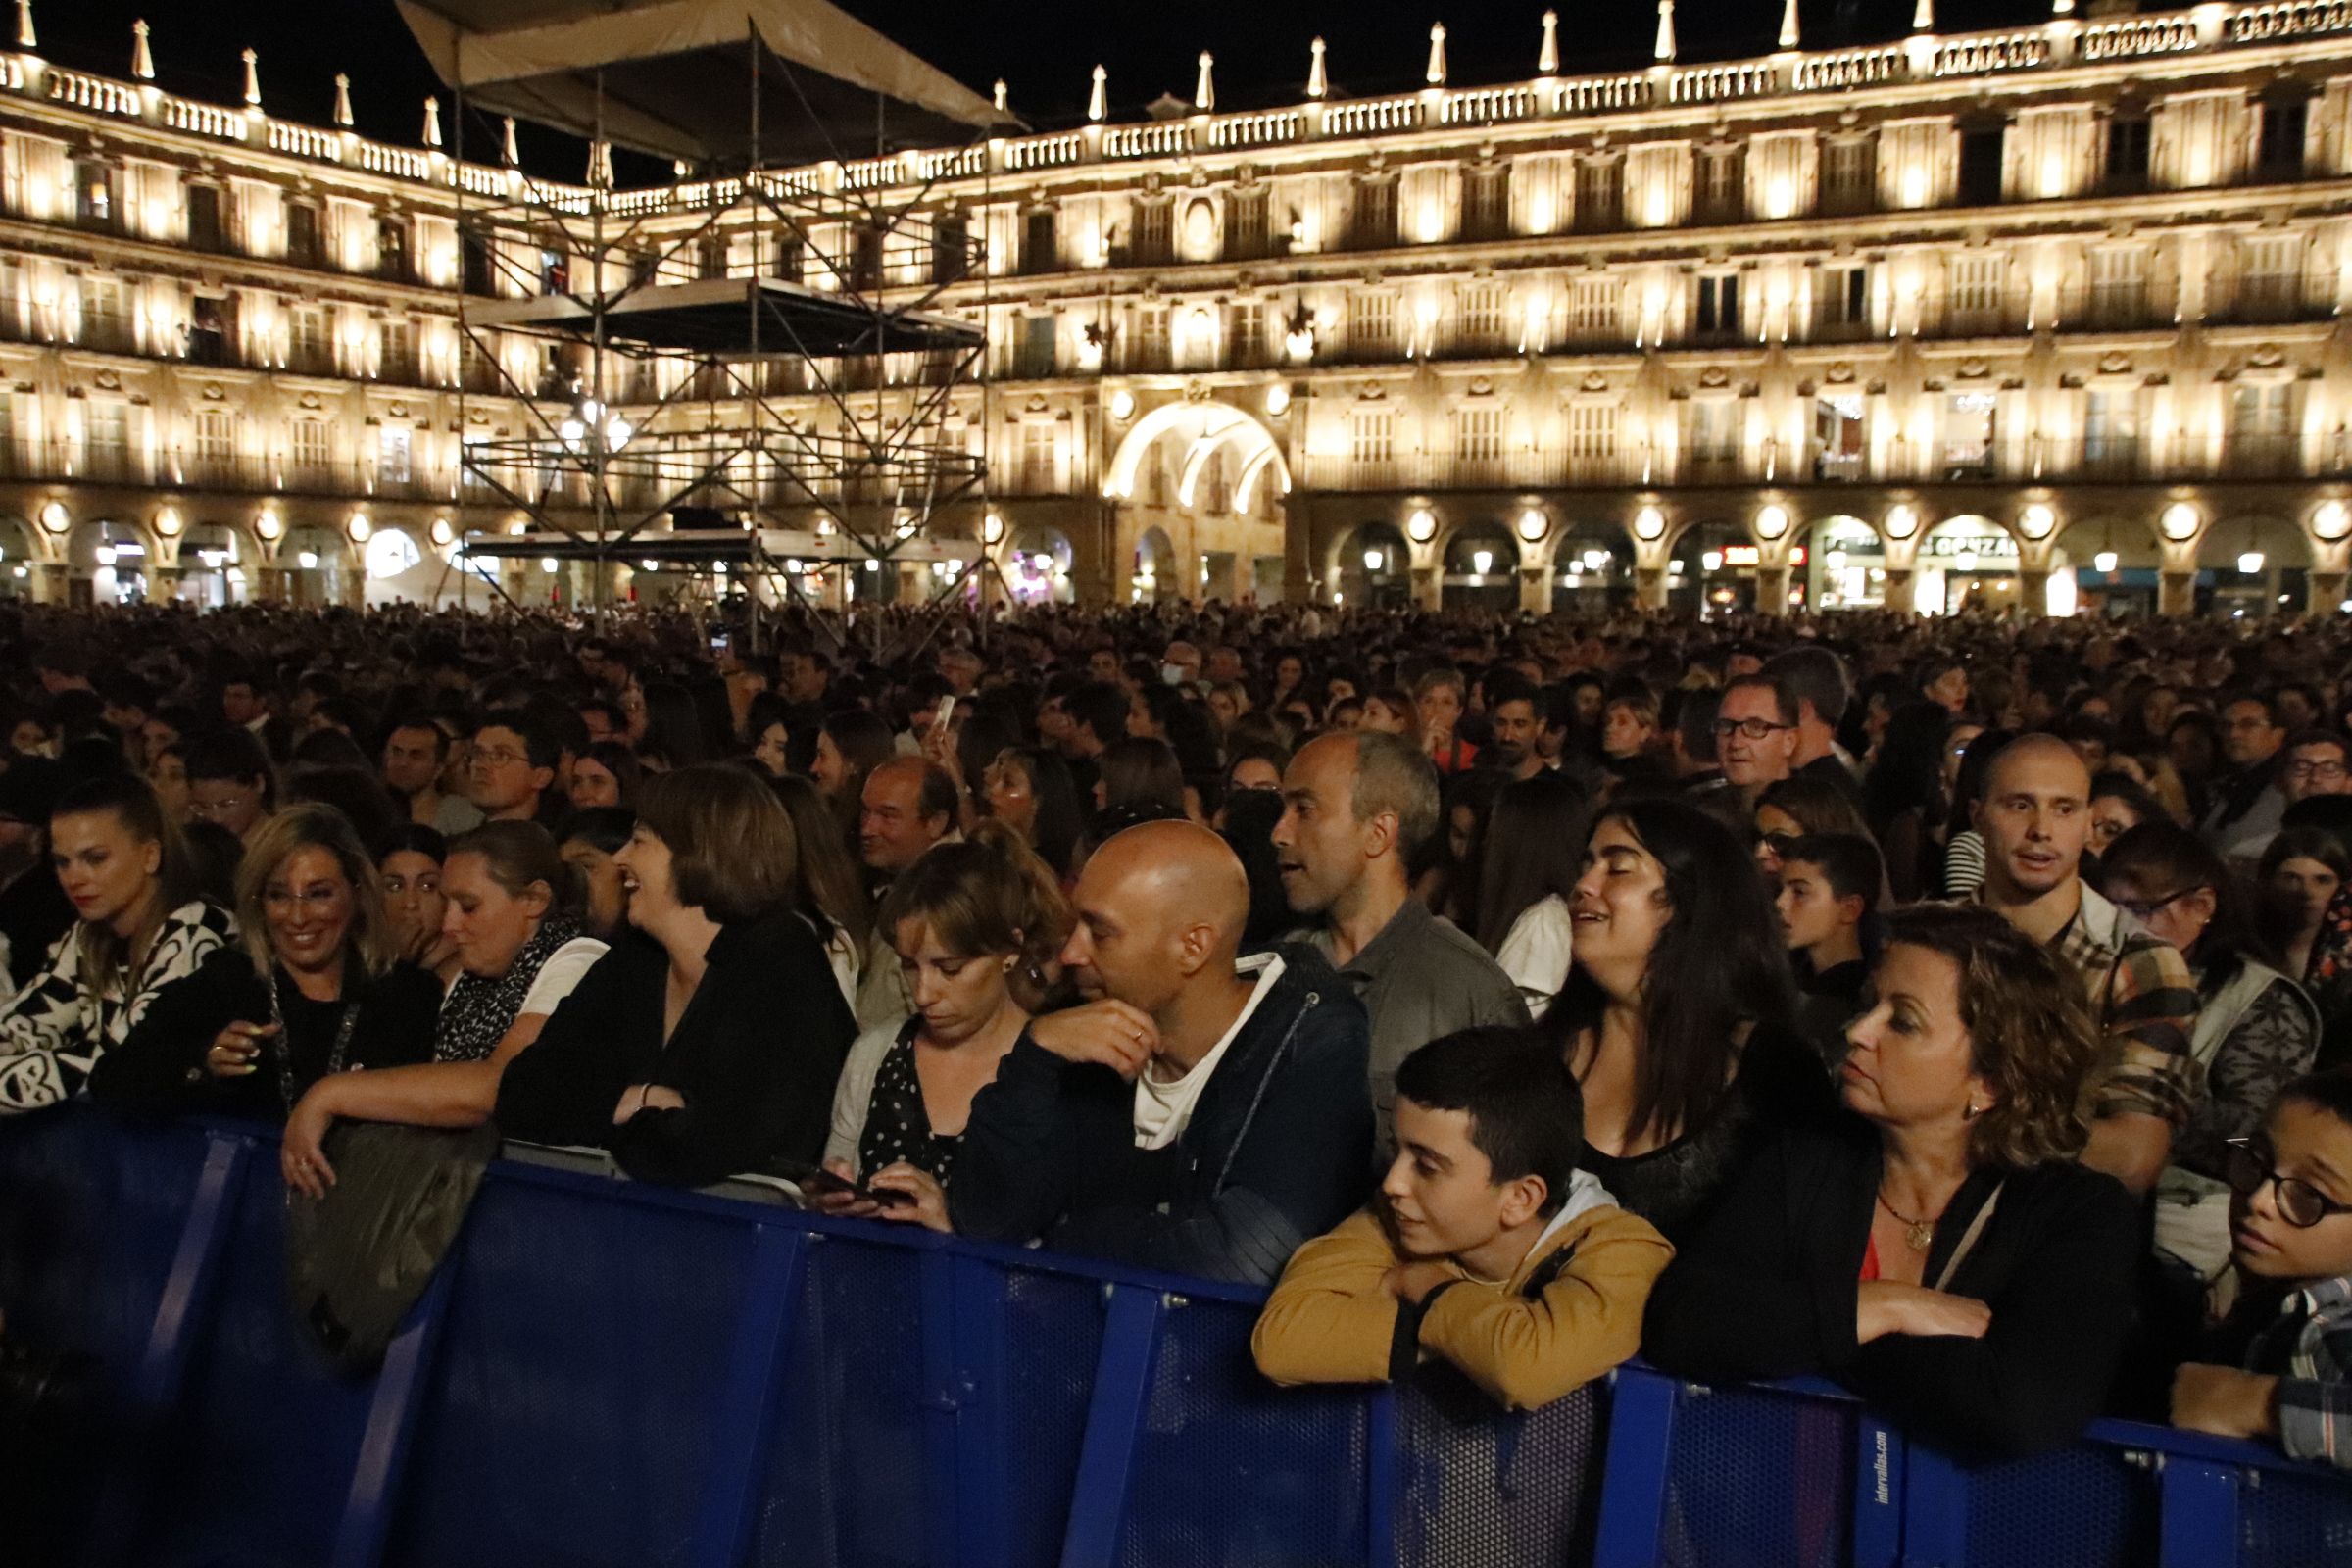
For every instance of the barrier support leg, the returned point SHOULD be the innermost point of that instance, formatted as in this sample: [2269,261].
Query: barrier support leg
[392,1413]
[743,1425]
[164,1366]
[963,1347]
[1384,1472]
[1935,1510]
[1632,1482]
[1114,1418]
[2198,1514]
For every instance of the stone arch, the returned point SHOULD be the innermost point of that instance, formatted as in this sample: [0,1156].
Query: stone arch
[1155,575]
[1038,564]
[1202,430]
[1462,583]
[1592,563]
[110,560]
[2278,584]
[20,553]
[1353,578]
[315,565]
[1967,558]
[216,564]
[1844,562]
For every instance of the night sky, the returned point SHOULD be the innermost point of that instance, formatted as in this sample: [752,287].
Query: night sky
[1044,49]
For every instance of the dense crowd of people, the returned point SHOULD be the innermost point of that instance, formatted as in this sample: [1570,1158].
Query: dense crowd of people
[1960,1011]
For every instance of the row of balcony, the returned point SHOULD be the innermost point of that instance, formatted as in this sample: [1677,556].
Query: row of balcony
[2126,460]
[782,478]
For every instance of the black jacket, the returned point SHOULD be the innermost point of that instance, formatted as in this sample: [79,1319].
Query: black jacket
[34,912]
[1277,1149]
[755,1057]
[159,1070]
[1767,1288]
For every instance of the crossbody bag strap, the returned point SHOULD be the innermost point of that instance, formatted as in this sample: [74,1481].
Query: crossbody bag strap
[1969,1239]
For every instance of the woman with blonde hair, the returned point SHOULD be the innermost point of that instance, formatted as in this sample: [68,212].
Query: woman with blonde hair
[316,988]
[976,926]
[1940,1250]
[511,920]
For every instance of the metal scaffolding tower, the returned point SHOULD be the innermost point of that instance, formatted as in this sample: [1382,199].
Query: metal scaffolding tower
[753,352]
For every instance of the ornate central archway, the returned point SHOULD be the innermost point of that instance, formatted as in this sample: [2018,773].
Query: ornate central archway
[1199,431]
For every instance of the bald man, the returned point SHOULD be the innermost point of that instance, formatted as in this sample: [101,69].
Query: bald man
[1202,1112]
[2035,818]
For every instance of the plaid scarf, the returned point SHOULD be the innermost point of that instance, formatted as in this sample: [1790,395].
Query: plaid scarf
[478,1011]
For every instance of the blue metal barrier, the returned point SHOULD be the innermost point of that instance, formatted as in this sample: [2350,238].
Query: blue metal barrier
[603,1373]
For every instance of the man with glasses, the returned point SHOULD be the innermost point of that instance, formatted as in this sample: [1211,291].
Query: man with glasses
[509,768]
[230,782]
[1756,733]
[2312,763]
[2247,802]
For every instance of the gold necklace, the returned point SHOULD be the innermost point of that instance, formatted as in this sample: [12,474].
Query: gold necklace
[1919,1233]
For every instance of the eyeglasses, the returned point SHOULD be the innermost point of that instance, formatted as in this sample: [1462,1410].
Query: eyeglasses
[218,808]
[1755,729]
[2300,1203]
[2305,768]
[498,757]
[2144,910]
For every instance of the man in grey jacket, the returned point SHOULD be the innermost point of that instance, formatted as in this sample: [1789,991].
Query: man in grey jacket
[1356,809]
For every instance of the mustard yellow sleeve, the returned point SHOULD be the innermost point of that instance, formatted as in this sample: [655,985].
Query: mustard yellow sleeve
[1527,1353]
[1329,1320]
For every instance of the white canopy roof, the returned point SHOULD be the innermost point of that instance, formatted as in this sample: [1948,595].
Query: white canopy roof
[674,76]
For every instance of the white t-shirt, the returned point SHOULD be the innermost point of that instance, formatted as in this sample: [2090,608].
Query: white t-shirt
[557,977]
[1164,1109]
[1537,950]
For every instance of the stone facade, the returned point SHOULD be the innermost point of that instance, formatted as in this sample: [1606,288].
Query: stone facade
[2021,301]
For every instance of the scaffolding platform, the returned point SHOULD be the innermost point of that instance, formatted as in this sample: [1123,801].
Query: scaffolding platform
[736,318]
[704,545]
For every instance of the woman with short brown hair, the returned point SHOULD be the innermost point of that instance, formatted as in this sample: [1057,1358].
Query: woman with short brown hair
[714,1048]
[1938,1251]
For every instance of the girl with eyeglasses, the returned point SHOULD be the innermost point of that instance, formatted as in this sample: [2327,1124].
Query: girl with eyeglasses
[2280,1367]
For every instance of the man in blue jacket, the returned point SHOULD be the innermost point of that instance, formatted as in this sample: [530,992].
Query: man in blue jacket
[1203,1113]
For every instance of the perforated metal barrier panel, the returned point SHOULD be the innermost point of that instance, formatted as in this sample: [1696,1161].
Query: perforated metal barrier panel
[606,1375]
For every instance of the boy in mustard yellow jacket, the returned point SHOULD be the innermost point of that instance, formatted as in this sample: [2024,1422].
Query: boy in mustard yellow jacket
[1486,1246]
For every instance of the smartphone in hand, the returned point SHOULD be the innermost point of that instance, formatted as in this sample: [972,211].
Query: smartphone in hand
[817,1179]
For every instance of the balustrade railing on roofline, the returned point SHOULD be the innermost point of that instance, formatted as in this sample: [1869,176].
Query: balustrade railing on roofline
[2061,43]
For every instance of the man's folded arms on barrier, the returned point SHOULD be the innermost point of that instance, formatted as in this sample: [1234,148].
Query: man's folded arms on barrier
[1204,1114]
[2281,1363]
[1485,1247]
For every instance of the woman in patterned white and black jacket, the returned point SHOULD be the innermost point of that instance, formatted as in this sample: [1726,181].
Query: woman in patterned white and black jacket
[140,926]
